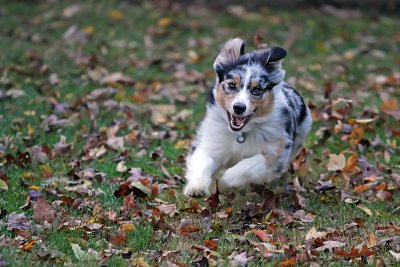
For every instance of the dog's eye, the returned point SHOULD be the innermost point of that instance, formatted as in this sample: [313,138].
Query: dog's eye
[231,86]
[257,91]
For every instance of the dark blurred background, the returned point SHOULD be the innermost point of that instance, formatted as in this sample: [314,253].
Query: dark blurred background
[371,7]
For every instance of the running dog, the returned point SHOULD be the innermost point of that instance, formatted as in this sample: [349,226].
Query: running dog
[255,123]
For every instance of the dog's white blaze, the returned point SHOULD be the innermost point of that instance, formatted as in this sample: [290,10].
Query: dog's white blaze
[247,77]
[243,95]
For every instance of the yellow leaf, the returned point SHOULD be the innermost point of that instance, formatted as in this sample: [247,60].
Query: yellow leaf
[164,22]
[360,121]
[140,262]
[30,130]
[88,29]
[3,185]
[116,14]
[127,227]
[29,175]
[28,245]
[194,57]
[34,187]
[367,210]
[182,144]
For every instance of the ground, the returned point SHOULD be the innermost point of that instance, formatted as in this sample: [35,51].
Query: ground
[99,101]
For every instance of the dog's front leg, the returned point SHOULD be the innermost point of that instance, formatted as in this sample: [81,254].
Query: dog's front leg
[257,169]
[200,168]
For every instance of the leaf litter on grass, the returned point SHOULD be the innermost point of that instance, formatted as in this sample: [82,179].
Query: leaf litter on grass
[97,150]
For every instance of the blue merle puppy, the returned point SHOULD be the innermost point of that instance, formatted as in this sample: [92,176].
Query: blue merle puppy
[255,123]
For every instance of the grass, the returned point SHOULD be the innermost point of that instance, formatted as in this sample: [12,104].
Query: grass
[148,44]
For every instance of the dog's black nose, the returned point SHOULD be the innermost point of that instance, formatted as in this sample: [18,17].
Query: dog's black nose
[239,108]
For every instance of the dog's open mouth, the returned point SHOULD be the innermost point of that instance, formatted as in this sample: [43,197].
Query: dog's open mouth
[238,122]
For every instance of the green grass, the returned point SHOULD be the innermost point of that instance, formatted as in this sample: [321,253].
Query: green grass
[347,53]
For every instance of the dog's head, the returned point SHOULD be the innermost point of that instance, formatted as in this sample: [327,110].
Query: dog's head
[245,81]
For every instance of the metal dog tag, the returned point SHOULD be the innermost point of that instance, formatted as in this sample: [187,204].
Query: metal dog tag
[241,138]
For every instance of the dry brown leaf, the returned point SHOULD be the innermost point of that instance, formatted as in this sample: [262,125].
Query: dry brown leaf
[314,234]
[211,244]
[336,162]
[361,188]
[384,195]
[330,244]
[43,211]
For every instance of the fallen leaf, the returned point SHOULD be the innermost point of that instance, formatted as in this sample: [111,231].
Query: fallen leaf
[101,93]
[188,229]
[169,210]
[395,255]
[213,200]
[261,234]
[82,255]
[360,121]
[72,10]
[160,113]
[288,262]
[118,239]
[240,259]
[27,245]
[43,211]
[361,188]
[211,244]
[121,167]
[140,262]
[336,162]
[127,227]
[3,185]
[330,245]
[115,78]
[367,210]
[384,195]
[355,253]
[115,14]
[314,234]
[164,22]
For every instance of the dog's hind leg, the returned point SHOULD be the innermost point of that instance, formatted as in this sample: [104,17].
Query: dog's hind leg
[257,169]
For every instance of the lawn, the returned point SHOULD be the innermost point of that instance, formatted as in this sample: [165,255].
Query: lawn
[99,101]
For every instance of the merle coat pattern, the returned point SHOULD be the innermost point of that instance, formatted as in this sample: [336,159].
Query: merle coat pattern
[255,123]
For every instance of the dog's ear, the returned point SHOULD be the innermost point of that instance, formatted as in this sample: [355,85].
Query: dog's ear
[277,53]
[230,52]
[272,59]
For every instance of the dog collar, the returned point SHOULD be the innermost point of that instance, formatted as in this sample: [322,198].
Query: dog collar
[241,138]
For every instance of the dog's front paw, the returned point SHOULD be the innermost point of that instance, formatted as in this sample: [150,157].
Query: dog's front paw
[196,190]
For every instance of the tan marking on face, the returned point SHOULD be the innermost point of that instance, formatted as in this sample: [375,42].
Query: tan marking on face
[253,84]
[222,98]
[236,80]
[264,105]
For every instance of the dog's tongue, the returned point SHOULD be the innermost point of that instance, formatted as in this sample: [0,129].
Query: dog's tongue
[237,121]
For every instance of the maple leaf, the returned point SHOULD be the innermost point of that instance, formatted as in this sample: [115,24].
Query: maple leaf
[43,211]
